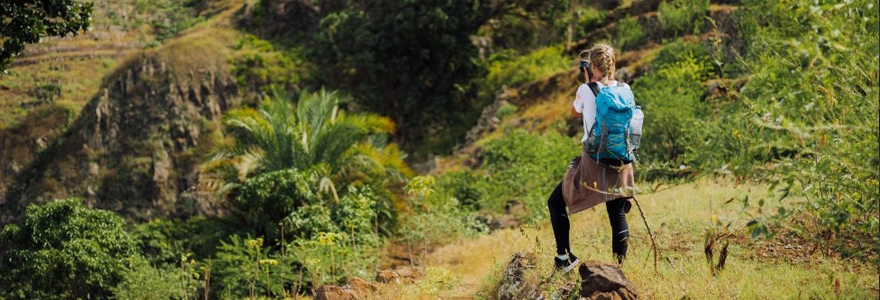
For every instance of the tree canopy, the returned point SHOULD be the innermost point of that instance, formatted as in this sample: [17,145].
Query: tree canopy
[64,250]
[28,21]
[413,61]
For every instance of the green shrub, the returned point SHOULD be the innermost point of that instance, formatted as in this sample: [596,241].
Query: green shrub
[505,111]
[46,93]
[671,96]
[588,19]
[333,257]
[164,241]
[524,167]
[508,68]
[811,104]
[143,281]
[260,66]
[629,33]
[460,185]
[437,215]
[683,16]
[64,250]
[245,268]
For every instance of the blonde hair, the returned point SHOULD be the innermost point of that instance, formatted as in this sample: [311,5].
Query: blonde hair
[602,56]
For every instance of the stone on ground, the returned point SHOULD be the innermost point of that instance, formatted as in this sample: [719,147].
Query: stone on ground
[605,281]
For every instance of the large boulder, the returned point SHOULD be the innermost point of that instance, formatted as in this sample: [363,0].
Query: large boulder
[596,280]
[605,281]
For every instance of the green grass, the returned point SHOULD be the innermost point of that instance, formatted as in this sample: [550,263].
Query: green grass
[679,216]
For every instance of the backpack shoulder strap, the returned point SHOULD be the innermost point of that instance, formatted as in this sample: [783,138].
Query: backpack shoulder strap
[594,87]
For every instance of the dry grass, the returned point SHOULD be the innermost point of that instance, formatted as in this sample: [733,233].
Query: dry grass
[679,215]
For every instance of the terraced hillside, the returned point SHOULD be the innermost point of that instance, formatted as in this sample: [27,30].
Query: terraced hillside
[125,111]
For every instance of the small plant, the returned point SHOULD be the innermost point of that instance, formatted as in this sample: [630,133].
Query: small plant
[438,279]
[683,15]
[46,93]
[505,111]
[629,33]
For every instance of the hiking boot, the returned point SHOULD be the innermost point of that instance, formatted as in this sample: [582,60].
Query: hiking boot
[566,265]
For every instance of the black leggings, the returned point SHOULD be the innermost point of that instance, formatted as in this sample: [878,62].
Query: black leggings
[561,225]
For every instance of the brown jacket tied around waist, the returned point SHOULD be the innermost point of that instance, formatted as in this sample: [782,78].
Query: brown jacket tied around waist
[588,183]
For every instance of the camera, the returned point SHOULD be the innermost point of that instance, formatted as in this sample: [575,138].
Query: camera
[586,66]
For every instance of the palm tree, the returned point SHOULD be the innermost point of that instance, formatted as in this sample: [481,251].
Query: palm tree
[309,134]
[287,156]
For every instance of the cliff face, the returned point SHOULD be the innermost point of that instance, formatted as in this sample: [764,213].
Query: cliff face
[136,147]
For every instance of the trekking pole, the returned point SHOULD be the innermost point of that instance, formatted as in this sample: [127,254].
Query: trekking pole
[654,246]
[651,234]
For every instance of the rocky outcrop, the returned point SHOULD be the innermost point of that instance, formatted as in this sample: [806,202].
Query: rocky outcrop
[513,282]
[595,280]
[604,281]
[136,147]
[488,118]
[23,143]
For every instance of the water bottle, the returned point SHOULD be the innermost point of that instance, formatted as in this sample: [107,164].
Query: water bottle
[635,125]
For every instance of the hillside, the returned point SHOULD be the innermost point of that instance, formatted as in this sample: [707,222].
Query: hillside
[80,141]
[290,149]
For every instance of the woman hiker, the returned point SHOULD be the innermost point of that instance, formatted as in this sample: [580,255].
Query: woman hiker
[608,175]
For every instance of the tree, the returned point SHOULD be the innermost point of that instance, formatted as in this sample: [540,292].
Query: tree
[310,134]
[286,157]
[412,61]
[64,250]
[28,21]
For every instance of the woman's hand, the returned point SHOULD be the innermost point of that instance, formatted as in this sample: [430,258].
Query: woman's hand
[575,113]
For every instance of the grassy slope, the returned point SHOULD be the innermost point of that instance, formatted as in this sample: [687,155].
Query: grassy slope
[679,216]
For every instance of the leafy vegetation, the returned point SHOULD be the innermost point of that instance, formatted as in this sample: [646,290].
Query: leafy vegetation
[312,188]
[629,33]
[259,65]
[27,22]
[683,16]
[417,73]
[673,95]
[286,156]
[64,250]
[820,127]
[508,68]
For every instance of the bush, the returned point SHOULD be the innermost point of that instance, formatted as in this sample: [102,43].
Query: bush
[588,19]
[819,127]
[629,33]
[244,267]
[64,250]
[142,281]
[508,68]
[163,242]
[524,167]
[671,95]
[437,216]
[683,15]
[258,65]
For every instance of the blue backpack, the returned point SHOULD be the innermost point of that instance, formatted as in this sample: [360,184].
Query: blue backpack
[609,137]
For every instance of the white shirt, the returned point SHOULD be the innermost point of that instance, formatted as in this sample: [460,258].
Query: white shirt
[585,104]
